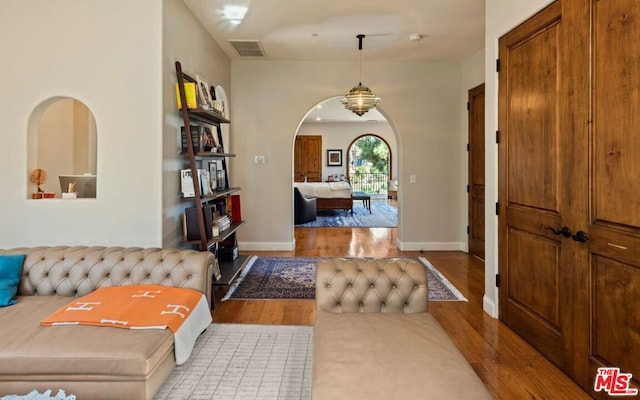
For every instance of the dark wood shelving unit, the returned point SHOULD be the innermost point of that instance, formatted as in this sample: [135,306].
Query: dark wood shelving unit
[229,270]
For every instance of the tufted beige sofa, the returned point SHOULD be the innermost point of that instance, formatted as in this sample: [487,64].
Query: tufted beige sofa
[374,339]
[91,362]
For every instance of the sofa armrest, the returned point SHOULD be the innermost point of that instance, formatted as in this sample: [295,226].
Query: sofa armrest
[371,285]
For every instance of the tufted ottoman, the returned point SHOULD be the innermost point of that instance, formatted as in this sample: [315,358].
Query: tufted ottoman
[87,361]
[374,339]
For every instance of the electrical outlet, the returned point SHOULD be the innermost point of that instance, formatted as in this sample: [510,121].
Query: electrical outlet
[259,160]
[412,179]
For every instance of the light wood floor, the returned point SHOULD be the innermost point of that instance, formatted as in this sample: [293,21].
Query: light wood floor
[509,367]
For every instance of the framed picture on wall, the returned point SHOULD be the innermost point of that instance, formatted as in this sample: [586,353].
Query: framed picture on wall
[334,158]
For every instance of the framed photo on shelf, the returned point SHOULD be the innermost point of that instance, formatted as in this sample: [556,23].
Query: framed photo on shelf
[334,158]
[209,142]
[213,175]
[205,100]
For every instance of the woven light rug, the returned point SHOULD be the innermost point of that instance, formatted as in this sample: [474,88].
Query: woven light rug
[294,278]
[242,361]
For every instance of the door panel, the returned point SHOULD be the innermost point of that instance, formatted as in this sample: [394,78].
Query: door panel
[533,133]
[476,171]
[613,222]
[531,256]
[307,159]
[615,285]
[616,109]
[530,276]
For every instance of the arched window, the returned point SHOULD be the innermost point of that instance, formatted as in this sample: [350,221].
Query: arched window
[369,161]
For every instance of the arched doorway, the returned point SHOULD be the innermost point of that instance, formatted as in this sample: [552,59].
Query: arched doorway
[369,164]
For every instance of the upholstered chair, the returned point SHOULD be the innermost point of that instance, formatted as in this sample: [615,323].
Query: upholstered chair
[304,208]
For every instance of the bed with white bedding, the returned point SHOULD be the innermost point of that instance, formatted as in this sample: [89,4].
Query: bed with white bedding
[329,195]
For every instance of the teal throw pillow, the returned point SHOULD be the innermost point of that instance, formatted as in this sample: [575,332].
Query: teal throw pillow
[10,273]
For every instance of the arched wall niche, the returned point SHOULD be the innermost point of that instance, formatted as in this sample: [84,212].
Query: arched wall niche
[62,141]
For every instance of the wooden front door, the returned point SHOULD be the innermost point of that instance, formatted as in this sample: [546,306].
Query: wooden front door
[476,171]
[569,186]
[607,206]
[531,258]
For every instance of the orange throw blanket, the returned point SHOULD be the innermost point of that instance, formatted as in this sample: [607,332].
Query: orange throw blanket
[130,307]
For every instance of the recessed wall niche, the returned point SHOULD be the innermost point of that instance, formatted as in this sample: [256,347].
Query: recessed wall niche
[62,149]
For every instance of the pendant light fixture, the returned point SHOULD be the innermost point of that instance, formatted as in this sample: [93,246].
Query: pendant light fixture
[360,99]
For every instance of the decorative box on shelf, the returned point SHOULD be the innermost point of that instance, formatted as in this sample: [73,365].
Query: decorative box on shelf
[228,253]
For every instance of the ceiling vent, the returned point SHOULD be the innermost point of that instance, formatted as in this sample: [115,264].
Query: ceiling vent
[247,48]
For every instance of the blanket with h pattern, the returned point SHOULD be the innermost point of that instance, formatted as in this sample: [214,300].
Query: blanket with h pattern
[184,311]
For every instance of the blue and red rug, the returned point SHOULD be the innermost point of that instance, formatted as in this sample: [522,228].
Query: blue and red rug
[294,278]
[382,215]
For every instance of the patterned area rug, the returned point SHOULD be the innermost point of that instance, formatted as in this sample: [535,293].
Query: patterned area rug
[35,395]
[294,278]
[382,215]
[242,361]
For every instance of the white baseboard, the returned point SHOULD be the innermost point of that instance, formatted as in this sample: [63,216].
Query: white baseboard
[489,306]
[431,246]
[266,246]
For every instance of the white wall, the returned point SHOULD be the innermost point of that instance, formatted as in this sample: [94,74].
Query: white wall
[184,40]
[107,54]
[422,103]
[500,17]
[339,135]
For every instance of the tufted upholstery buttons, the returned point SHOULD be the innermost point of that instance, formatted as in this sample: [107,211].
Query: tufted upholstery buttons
[168,275]
[327,285]
[78,270]
[371,285]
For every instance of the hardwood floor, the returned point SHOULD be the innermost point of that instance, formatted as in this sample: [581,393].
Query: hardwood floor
[509,367]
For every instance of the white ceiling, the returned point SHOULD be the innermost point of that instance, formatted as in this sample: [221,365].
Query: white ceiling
[326,30]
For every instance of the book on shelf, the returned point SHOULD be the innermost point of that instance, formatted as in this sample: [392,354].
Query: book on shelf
[186,183]
[203,176]
[223,222]
[216,270]
[189,94]
[236,214]
[191,226]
